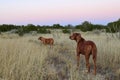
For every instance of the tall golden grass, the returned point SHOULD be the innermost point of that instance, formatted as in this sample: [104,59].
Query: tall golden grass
[26,58]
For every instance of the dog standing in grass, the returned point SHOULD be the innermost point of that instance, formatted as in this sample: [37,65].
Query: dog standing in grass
[85,48]
[49,41]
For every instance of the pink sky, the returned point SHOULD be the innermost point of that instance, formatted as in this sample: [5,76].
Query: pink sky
[48,12]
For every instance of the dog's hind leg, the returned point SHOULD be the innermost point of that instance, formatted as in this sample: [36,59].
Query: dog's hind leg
[94,61]
[87,62]
[94,54]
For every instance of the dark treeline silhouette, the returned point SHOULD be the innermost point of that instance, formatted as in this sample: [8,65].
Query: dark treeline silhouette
[85,26]
[113,26]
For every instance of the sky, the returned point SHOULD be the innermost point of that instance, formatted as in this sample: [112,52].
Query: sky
[48,12]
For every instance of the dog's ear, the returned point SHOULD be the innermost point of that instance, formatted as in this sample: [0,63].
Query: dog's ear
[39,38]
[82,39]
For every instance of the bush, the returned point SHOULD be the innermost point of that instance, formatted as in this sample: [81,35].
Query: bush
[6,27]
[66,31]
[20,32]
[43,31]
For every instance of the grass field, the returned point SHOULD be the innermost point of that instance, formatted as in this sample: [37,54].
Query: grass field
[26,58]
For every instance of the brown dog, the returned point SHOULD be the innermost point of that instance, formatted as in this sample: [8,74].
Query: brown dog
[45,41]
[85,48]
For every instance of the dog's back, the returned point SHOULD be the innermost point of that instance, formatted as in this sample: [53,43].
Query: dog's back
[83,46]
[49,41]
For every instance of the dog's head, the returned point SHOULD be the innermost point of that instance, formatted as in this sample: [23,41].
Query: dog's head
[75,36]
[40,38]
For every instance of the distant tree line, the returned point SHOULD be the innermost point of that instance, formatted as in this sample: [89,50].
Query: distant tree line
[113,26]
[85,26]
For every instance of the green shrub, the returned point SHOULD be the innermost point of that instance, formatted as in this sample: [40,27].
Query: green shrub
[43,31]
[20,32]
[66,31]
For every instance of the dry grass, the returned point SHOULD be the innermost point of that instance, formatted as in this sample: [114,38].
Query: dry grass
[26,58]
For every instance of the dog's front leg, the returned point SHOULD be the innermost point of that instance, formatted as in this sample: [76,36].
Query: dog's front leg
[78,60]
[78,57]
